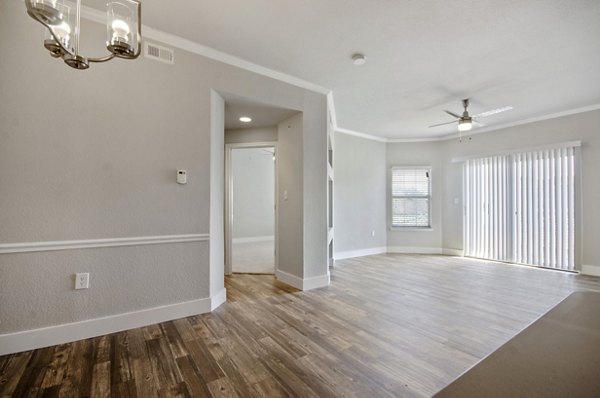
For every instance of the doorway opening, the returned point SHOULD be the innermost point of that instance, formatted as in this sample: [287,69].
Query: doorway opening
[251,207]
[260,142]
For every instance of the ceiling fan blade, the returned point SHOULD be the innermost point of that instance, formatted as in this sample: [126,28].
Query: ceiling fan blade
[494,111]
[452,114]
[478,123]
[442,124]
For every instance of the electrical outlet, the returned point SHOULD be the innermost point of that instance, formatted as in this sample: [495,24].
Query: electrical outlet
[373,233]
[82,281]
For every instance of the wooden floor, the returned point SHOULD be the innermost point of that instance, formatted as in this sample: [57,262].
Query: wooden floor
[389,325]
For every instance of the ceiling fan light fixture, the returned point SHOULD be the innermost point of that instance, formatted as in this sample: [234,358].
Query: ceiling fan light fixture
[465,125]
[358,59]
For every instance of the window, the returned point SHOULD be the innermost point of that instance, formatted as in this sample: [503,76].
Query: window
[411,197]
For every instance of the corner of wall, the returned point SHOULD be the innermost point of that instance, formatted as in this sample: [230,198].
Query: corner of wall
[453,252]
[218,299]
[217,188]
[591,270]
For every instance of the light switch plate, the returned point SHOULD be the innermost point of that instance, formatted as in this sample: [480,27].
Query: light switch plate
[182,176]
[82,281]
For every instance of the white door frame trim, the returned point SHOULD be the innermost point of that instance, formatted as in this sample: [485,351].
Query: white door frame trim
[229,202]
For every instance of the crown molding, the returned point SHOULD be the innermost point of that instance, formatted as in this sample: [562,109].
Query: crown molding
[384,139]
[452,136]
[549,116]
[405,140]
[95,15]
[149,32]
[361,135]
[331,105]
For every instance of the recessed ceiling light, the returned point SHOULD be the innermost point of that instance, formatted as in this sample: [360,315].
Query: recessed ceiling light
[358,59]
[245,119]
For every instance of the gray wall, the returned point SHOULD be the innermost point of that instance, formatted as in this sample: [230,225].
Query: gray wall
[290,256]
[360,193]
[253,173]
[217,193]
[582,126]
[259,134]
[93,154]
[416,154]
[357,161]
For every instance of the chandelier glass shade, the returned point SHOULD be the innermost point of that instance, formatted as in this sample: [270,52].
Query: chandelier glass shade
[62,19]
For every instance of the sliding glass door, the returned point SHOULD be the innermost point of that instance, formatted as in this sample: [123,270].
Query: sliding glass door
[486,219]
[520,207]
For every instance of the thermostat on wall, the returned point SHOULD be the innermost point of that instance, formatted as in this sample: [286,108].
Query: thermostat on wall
[181,176]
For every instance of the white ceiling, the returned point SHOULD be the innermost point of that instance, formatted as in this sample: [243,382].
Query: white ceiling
[261,115]
[541,57]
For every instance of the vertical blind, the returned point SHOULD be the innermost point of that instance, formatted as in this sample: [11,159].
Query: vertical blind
[544,208]
[521,208]
[486,217]
[411,195]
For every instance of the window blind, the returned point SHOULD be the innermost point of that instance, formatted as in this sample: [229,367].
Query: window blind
[486,216]
[411,195]
[521,207]
[544,208]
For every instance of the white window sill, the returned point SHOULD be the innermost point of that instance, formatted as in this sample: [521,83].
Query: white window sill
[428,229]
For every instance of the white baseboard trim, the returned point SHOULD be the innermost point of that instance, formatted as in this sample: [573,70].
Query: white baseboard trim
[289,279]
[302,284]
[414,250]
[254,239]
[218,299]
[398,249]
[359,253]
[453,252]
[26,247]
[316,282]
[592,270]
[44,337]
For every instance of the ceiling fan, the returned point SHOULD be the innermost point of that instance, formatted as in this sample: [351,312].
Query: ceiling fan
[466,121]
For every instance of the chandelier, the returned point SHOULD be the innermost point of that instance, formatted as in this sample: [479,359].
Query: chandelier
[62,18]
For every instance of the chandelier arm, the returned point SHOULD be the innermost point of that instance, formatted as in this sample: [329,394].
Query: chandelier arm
[57,39]
[78,61]
[102,59]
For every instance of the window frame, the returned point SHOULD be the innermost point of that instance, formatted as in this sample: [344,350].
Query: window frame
[429,198]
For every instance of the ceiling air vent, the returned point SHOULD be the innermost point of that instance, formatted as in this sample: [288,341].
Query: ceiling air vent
[159,53]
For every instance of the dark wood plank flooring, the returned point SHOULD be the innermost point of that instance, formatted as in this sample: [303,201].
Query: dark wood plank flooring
[389,325]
